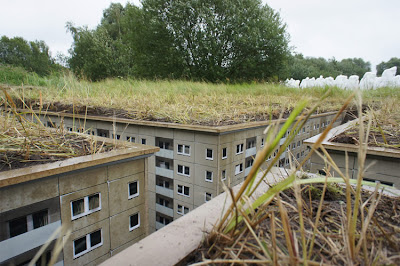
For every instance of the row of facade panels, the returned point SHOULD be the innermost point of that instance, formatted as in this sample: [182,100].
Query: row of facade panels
[103,208]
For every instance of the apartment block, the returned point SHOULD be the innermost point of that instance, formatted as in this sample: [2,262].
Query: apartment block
[100,198]
[194,162]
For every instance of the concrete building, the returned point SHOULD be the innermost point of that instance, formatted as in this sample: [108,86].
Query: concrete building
[382,164]
[194,161]
[101,198]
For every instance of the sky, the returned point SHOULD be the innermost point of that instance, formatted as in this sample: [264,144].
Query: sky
[319,28]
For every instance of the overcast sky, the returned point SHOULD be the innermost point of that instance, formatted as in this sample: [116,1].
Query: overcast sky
[326,28]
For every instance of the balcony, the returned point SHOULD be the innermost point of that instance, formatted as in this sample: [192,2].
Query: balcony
[164,210]
[165,153]
[282,140]
[247,171]
[165,191]
[159,225]
[164,172]
[251,152]
[22,243]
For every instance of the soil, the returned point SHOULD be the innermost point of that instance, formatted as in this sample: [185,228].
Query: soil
[389,139]
[383,233]
[120,113]
[26,157]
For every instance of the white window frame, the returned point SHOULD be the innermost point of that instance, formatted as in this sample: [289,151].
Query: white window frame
[182,209]
[212,175]
[238,168]
[223,175]
[209,195]
[183,190]
[239,147]
[85,206]
[183,149]
[87,243]
[183,170]
[131,139]
[212,154]
[226,153]
[135,226]
[136,194]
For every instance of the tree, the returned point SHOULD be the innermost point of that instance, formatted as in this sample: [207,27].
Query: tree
[354,66]
[394,61]
[33,56]
[212,40]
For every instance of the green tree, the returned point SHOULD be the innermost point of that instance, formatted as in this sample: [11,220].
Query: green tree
[394,61]
[354,66]
[211,40]
[32,56]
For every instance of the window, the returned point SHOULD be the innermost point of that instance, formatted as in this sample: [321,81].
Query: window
[102,133]
[27,223]
[134,221]
[133,189]
[143,141]
[302,153]
[224,153]
[183,149]
[51,124]
[304,129]
[69,129]
[317,126]
[209,154]
[239,148]
[238,169]
[87,243]
[207,196]
[209,176]
[249,163]
[162,182]
[262,142]
[294,146]
[298,155]
[323,124]
[298,143]
[130,139]
[223,175]
[183,170]
[251,144]
[85,206]
[116,136]
[182,209]
[183,190]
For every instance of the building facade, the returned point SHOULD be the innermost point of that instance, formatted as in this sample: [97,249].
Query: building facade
[194,162]
[100,198]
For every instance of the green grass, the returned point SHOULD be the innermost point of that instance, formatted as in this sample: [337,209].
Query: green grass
[188,102]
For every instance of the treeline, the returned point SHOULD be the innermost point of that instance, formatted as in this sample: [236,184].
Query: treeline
[300,67]
[213,40]
[33,56]
[210,40]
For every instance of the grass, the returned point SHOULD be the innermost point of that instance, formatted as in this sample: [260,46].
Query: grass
[187,102]
[25,141]
[287,226]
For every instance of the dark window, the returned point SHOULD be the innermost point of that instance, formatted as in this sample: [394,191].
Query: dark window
[18,226]
[133,188]
[144,141]
[95,238]
[224,153]
[78,207]
[40,219]
[80,245]
[134,220]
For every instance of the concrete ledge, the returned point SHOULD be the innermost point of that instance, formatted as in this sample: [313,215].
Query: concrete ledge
[380,151]
[200,128]
[178,239]
[17,176]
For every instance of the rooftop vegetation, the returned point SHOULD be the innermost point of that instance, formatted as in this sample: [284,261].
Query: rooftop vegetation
[187,102]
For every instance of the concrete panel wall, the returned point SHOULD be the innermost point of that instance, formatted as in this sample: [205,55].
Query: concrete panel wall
[200,154]
[91,218]
[83,179]
[119,193]
[125,169]
[119,226]
[104,249]
[17,196]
